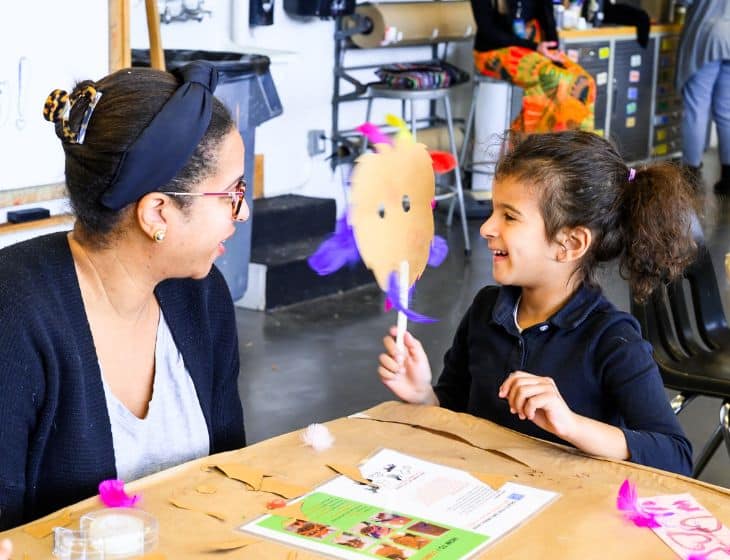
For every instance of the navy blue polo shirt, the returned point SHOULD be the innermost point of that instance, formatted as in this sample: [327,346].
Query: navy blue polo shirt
[602,367]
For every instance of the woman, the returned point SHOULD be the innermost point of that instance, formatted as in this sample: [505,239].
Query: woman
[703,77]
[119,355]
[516,41]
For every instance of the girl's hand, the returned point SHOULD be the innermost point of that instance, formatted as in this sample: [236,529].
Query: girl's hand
[538,399]
[550,50]
[407,374]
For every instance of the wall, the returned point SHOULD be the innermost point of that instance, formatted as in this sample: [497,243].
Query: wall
[40,54]
[302,52]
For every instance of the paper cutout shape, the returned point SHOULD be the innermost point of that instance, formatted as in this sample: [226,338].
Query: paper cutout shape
[230,544]
[206,489]
[238,471]
[283,489]
[42,529]
[352,472]
[186,502]
[293,511]
[494,481]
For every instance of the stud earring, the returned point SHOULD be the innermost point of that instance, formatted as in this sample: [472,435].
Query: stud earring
[159,236]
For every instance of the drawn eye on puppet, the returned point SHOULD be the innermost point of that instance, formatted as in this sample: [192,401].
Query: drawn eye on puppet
[406,203]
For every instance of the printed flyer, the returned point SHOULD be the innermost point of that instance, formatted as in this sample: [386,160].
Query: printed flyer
[414,510]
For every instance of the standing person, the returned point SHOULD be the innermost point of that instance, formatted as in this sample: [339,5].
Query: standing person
[703,77]
[119,355]
[545,353]
[517,41]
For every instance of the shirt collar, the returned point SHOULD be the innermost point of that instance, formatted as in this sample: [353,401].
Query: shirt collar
[573,313]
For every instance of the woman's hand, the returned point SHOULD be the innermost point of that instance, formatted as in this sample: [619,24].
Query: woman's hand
[6,549]
[550,50]
[538,399]
[407,374]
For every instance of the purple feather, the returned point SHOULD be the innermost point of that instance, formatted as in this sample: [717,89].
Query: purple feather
[393,295]
[627,502]
[439,250]
[336,251]
[373,134]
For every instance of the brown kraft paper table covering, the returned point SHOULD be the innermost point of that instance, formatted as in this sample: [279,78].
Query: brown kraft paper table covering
[583,523]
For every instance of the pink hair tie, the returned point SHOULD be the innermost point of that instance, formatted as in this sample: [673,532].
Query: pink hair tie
[632,174]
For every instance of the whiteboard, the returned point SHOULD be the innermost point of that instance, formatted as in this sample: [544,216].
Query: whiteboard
[44,45]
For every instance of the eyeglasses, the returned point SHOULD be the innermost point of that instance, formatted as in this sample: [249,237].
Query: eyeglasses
[237,196]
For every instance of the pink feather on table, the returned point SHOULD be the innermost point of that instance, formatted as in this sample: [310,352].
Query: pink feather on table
[628,503]
[113,495]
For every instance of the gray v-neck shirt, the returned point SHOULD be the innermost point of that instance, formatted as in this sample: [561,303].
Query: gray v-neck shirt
[174,430]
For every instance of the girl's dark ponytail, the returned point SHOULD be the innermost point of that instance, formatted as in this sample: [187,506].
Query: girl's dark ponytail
[658,206]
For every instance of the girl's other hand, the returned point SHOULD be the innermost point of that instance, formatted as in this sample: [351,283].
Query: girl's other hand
[537,399]
[407,374]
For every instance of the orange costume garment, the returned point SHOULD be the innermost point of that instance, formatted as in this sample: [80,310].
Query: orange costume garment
[555,98]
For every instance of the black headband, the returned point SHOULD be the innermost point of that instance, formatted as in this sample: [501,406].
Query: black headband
[168,142]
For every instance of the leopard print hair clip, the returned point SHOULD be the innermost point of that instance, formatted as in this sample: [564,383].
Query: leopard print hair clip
[58,107]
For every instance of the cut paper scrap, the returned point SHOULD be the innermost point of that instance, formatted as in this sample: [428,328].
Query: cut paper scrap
[190,504]
[206,489]
[113,494]
[42,529]
[687,527]
[293,511]
[230,544]
[494,481]
[238,471]
[283,489]
[352,472]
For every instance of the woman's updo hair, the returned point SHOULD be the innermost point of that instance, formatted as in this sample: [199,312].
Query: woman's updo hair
[643,218]
[130,100]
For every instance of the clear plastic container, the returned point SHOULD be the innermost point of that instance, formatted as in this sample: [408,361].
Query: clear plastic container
[107,534]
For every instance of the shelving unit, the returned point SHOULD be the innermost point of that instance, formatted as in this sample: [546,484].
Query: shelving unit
[636,105]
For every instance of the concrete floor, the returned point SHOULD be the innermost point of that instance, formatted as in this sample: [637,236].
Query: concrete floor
[316,361]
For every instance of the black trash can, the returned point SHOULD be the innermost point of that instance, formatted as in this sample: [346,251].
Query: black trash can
[245,86]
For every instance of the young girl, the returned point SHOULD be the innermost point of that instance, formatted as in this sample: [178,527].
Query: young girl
[545,353]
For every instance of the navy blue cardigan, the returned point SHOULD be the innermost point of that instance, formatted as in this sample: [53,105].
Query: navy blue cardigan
[595,354]
[55,435]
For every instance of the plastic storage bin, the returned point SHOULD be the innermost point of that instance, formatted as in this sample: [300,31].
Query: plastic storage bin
[246,87]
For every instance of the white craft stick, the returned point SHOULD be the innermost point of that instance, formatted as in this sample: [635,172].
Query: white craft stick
[402,323]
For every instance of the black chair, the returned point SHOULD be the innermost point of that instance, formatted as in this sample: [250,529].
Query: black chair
[691,341]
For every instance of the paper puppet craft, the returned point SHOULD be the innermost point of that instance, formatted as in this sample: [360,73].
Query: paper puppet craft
[389,224]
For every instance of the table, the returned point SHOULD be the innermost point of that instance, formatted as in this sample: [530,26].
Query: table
[582,523]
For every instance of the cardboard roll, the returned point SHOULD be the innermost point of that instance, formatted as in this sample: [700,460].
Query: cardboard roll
[413,23]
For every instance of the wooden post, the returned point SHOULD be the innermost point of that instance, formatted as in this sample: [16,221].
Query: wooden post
[157,56]
[120,53]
